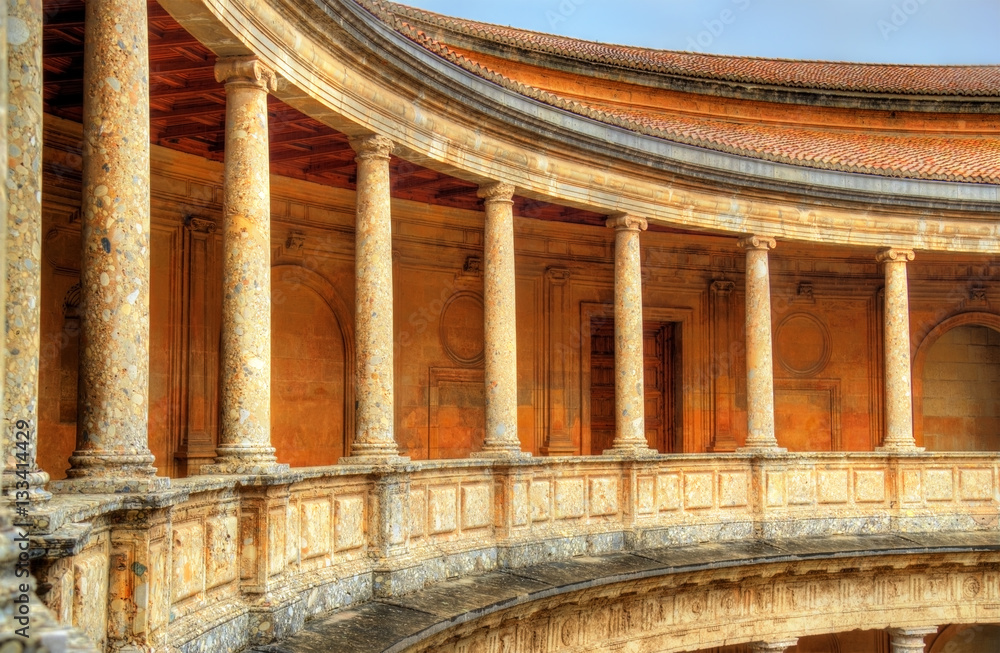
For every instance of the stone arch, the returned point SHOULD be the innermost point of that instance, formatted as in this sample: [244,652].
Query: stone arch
[920,358]
[298,277]
[967,638]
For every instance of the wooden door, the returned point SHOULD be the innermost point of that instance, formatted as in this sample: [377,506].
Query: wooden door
[658,364]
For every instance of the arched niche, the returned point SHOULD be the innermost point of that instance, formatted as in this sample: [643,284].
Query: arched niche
[956,367]
[312,364]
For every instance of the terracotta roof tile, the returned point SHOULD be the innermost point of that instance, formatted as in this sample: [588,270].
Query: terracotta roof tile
[929,156]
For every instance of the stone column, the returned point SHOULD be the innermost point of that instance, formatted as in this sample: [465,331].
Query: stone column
[24,245]
[777,646]
[112,452]
[898,395]
[374,422]
[245,403]
[909,640]
[500,321]
[760,368]
[630,423]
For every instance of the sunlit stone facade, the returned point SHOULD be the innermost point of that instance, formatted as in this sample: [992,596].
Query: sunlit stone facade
[325,315]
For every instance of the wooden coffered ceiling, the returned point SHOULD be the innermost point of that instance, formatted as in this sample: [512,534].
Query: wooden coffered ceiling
[187,113]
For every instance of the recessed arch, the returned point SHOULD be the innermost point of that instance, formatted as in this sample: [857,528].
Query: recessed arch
[920,359]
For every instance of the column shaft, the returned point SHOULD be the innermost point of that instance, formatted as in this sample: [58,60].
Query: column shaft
[245,411]
[112,451]
[630,423]
[898,394]
[909,640]
[374,424]
[500,322]
[24,243]
[760,367]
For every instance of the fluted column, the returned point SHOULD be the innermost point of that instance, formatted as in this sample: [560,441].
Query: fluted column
[630,423]
[777,646]
[245,411]
[500,322]
[374,423]
[909,640]
[24,247]
[112,448]
[898,392]
[760,366]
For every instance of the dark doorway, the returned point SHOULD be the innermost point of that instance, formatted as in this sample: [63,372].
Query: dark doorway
[661,363]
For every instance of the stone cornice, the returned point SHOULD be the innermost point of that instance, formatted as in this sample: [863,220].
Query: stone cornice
[353,72]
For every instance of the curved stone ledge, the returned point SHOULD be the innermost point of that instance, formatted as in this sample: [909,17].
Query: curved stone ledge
[642,586]
[229,559]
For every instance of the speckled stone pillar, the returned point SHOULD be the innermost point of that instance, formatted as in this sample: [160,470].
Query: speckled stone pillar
[245,409]
[909,640]
[630,392]
[500,321]
[777,646]
[24,245]
[373,437]
[760,368]
[112,452]
[898,395]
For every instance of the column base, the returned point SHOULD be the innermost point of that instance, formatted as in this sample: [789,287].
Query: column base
[374,459]
[243,468]
[899,448]
[110,485]
[36,480]
[762,449]
[500,453]
[629,450]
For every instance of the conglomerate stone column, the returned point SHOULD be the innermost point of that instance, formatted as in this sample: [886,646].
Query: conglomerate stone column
[898,395]
[909,640]
[760,366]
[24,246]
[112,450]
[373,437]
[500,320]
[630,423]
[245,412]
[777,646]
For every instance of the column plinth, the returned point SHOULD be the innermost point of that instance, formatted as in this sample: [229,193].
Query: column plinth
[374,442]
[245,408]
[896,334]
[909,640]
[630,422]
[500,324]
[112,453]
[24,245]
[759,361]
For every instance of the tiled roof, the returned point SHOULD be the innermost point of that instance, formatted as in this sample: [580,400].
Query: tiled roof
[932,156]
[980,81]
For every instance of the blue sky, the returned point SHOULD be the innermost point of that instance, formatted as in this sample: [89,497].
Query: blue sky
[889,31]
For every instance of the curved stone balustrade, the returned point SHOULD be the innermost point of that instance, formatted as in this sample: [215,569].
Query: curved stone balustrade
[229,562]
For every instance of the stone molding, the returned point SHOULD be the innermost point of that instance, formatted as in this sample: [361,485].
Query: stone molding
[245,70]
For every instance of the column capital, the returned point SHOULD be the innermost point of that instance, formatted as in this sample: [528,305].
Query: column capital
[627,222]
[372,146]
[247,70]
[754,241]
[893,255]
[497,191]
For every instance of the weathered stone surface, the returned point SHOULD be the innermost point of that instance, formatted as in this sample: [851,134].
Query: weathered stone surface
[245,411]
